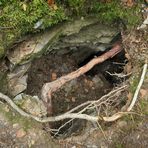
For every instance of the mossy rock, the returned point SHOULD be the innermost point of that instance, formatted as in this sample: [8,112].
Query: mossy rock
[2,49]
[3,77]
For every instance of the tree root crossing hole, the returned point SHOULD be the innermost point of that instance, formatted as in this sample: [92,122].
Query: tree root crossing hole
[90,86]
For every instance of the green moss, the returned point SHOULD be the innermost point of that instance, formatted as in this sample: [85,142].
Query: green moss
[114,10]
[22,15]
[134,80]
[14,117]
[3,82]
[118,145]
[19,17]
[77,6]
[2,51]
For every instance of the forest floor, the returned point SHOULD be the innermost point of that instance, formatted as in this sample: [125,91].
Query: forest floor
[129,131]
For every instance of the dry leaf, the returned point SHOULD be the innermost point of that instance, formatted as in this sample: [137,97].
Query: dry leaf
[130,96]
[50,2]
[128,68]
[130,3]
[73,99]
[53,76]
[6,108]
[54,7]
[24,6]
[127,56]
[143,92]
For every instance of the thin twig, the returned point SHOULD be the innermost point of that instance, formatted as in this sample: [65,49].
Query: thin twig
[120,75]
[120,114]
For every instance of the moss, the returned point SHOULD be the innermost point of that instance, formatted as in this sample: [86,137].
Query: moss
[142,107]
[19,17]
[3,82]
[2,51]
[114,10]
[118,145]
[14,117]
[22,16]
[134,80]
[76,6]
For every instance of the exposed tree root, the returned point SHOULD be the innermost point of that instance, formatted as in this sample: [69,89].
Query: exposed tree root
[48,88]
[67,115]
[51,87]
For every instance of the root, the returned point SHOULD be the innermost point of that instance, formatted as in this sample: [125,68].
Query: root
[69,114]
[48,88]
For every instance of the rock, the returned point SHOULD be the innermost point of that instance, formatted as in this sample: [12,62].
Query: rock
[2,49]
[17,85]
[90,39]
[20,133]
[3,77]
[98,81]
[122,124]
[34,46]
[17,79]
[7,38]
[81,32]
[76,25]
[31,104]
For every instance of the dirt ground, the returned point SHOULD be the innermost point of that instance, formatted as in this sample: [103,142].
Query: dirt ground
[130,131]
[72,94]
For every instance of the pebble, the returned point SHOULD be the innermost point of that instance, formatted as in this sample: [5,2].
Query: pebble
[20,133]
[122,124]
[15,125]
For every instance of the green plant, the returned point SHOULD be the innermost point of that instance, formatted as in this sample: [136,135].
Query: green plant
[109,12]
[76,6]
[21,16]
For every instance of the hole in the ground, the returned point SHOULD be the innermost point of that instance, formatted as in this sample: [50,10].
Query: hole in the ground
[91,86]
[109,69]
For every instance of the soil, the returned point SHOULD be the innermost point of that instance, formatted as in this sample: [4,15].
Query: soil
[130,131]
[72,94]
[14,134]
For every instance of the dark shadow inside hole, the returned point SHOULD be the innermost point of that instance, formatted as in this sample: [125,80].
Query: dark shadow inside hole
[43,68]
[105,69]
[109,68]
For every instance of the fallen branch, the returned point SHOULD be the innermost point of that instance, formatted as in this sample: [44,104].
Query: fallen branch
[67,115]
[138,87]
